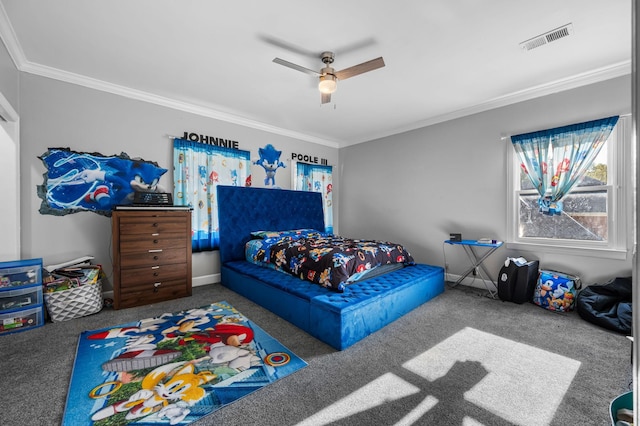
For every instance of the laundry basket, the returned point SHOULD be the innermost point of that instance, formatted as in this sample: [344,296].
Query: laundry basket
[75,302]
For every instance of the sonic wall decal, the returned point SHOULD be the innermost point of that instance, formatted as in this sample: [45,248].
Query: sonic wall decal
[269,161]
[79,181]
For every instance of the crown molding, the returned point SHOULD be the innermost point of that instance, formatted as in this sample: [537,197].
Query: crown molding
[595,76]
[583,79]
[205,111]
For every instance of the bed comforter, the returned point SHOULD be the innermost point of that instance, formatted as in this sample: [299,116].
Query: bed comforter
[329,260]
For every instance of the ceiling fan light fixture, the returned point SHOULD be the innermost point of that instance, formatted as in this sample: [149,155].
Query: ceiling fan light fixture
[328,84]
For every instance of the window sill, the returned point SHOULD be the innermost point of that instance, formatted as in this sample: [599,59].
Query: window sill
[616,254]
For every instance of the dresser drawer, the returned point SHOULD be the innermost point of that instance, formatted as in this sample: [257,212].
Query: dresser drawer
[150,293]
[152,224]
[144,244]
[153,274]
[152,258]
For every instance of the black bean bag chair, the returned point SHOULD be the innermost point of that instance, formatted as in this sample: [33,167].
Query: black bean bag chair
[607,305]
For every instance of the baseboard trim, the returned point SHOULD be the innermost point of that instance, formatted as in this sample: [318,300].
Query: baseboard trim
[205,280]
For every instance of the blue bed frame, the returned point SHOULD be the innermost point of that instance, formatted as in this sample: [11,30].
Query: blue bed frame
[338,319]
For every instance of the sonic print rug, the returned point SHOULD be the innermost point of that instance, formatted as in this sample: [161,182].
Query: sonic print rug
[172,369]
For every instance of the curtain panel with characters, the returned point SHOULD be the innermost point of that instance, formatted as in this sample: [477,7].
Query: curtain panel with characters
[317,178]
[555,160]
[197,169]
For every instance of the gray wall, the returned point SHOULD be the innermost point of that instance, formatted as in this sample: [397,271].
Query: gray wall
[419,186]
[58,114]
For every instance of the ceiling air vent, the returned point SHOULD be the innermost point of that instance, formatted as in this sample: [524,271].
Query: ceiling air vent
[542,39]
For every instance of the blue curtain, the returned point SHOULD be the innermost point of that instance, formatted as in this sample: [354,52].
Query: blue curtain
[197,170]
[555,160]
[317,178]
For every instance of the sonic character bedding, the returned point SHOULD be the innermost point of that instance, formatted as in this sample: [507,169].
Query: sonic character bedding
[329,260]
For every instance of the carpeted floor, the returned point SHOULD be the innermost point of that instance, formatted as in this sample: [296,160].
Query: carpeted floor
[461,358]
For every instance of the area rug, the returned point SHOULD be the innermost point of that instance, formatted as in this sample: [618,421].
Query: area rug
[172,369]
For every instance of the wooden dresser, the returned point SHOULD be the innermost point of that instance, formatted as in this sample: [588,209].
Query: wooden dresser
[151,255]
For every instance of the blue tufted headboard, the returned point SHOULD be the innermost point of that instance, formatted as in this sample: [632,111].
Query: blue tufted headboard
[242,210]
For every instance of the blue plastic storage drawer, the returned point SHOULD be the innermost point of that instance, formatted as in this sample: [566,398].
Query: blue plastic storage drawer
[21,320]
[12,298]
[20,272]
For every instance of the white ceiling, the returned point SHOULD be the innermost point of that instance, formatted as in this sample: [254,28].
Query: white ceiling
[444,58]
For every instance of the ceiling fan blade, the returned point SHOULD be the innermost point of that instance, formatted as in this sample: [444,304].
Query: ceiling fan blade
[296,67]
[325,98]
[371,65]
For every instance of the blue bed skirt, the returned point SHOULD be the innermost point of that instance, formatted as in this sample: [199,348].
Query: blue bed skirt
[338,319]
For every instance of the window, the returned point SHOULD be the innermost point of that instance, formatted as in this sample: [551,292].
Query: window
[597,211]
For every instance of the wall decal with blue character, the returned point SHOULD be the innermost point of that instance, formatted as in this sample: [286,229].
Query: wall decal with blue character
[270,161]
[79,181]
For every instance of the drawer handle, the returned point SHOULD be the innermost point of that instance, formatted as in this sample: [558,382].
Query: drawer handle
[155,251]
[155,287]
[155,267]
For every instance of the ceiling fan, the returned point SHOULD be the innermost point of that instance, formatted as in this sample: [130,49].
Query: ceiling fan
[328,77]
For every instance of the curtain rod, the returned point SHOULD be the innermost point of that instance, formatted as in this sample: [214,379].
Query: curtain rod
[504,136]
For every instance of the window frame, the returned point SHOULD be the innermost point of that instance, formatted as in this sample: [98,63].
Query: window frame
[620,187]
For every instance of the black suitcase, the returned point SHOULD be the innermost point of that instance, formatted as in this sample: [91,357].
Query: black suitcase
[507,281]
[516,283]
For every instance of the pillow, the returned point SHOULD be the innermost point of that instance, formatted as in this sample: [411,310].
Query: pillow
[258,249]
[278,234]
[254,251]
